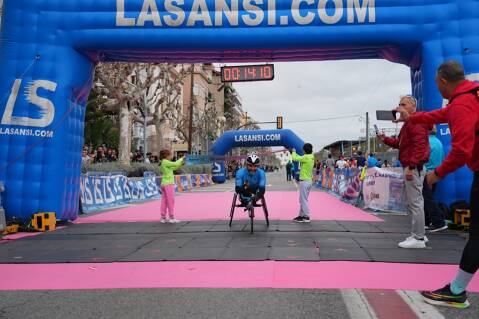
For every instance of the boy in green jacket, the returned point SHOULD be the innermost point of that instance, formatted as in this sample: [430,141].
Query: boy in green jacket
[305,181]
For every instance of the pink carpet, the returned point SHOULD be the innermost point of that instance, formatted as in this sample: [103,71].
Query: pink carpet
[10,237]
[216,206]
[228,274]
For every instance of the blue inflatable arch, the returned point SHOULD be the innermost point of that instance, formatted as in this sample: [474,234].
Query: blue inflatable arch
[232,139]
[48,50]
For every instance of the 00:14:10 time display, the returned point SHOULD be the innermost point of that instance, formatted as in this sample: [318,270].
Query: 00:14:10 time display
[247,73]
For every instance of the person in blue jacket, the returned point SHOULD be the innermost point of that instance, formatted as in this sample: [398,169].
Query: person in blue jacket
[372,161]
[250,181]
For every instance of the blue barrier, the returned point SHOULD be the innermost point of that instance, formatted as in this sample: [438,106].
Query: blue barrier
[99,192]
[2,190]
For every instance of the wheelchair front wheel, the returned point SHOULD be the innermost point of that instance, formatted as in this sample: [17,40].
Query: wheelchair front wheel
[251,216]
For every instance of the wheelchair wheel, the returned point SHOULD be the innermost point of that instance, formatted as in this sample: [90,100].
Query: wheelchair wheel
[251,216]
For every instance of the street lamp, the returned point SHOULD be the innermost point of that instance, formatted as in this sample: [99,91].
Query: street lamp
[145,115]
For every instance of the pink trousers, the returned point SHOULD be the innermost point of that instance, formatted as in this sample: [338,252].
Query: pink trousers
[168,200]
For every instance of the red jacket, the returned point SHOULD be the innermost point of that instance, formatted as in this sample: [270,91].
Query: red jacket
[462,115]
[413,144]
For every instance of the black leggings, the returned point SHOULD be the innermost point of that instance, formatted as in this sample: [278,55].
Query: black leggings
[470,255]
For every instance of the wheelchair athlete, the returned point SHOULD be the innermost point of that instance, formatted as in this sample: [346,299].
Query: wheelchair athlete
[250,182]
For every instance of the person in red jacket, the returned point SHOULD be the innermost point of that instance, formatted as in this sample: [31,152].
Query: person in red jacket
[413,145]
[462,115]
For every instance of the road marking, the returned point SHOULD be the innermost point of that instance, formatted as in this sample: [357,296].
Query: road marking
[387,304]
[417,304]
[295,184]
[357,305]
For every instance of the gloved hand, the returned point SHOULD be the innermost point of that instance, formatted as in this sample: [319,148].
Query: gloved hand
[260,193]
[249,205]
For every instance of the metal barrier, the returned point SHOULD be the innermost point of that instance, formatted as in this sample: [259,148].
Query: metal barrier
[3,223]
[2,189]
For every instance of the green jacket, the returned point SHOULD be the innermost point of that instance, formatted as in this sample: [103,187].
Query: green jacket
[307,164]
[167,167]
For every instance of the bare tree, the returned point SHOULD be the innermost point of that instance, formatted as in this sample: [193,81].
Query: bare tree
[167,100]
[113,84]
[178,120]
[125,86]
[209,123]
[233,108]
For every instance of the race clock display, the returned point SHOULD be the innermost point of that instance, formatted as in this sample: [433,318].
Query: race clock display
[243,73]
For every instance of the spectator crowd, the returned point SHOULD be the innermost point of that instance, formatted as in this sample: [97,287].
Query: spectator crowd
[105,154]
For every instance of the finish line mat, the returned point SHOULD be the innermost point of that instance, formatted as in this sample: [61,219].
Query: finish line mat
[215,241]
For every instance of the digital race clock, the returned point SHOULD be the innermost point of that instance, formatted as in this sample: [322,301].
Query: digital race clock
[242,73]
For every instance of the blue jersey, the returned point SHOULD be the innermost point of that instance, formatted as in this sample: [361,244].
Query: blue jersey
[372,161]
[252,181]
[437,153]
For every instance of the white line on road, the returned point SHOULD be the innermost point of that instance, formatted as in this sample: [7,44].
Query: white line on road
[295,184]
[416,303]
[357,305]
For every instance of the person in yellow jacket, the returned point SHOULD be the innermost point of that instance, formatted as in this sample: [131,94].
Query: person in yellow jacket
[168,185]
[305,181]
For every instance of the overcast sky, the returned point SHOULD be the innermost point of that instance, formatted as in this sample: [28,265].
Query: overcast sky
[315,90]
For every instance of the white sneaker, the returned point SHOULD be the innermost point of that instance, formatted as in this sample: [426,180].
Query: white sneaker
[174,221]
[164,220]
[412,242]
[412,236]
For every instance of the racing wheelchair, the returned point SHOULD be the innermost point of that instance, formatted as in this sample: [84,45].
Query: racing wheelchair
[249,206]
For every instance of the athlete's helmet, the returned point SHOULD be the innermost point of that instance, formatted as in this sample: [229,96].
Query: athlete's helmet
[252,159]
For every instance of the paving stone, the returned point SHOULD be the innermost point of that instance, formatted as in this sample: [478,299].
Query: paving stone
[211,242]
[294,242]
[258,242]
[294,253]
[351,254]
[376,242]
[424,256]
[171,241]
[361,227]
[197,254]
[246,254]
[326,226]
[195,228]
[226,228]
[150,254]
[336,242]
[295,227]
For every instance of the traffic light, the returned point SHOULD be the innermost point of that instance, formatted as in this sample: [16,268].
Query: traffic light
[279,122]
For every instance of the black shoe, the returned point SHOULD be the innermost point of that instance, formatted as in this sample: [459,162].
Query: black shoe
[306,220]
[433,229]
[444,297]
[298,219]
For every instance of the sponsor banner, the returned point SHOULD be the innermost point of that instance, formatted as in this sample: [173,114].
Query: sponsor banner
[185,182]
[216,14]
[383,190]
[102,191]
[198,159]
[218,172]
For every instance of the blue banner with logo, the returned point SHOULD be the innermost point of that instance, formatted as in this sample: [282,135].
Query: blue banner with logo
[103,191]
[218,172]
